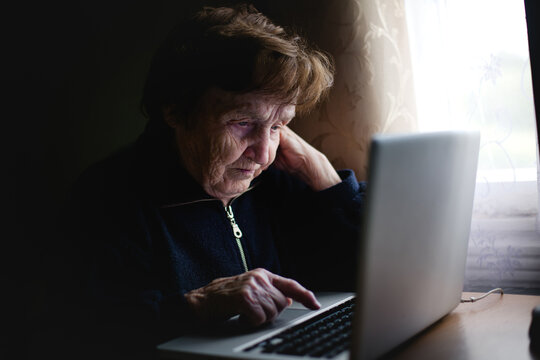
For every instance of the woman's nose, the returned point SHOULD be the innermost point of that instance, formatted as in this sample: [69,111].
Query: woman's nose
[258,150]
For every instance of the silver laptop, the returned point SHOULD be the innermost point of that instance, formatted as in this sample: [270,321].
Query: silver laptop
[412,255]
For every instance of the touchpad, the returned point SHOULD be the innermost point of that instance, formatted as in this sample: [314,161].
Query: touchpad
[288,315]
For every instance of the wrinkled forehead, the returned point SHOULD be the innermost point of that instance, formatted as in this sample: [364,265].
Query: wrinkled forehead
[255,105]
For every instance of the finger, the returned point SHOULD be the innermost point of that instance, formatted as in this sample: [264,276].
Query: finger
[279,300]
[291,138]
[268,305]
[295,291]
[253,308]
[284,289]
[272,300]
[253,316]
[284,134]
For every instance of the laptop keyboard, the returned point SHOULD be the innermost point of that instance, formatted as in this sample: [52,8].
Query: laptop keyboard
[325,335]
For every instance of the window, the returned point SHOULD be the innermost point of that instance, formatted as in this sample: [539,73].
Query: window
[472,71]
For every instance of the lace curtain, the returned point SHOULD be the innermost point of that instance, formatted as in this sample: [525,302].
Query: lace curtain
[373,90]
[472,70]
[422,65]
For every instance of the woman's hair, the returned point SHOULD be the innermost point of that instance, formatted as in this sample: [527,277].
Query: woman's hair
[235,49]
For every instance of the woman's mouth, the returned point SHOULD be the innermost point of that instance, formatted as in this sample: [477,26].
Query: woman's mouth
[245,173]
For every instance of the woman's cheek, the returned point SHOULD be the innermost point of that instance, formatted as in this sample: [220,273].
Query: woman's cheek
[272,151]
[228,147]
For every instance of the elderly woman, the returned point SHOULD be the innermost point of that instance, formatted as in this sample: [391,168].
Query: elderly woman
[219,204]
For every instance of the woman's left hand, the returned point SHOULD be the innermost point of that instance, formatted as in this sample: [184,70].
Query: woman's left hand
[299,158]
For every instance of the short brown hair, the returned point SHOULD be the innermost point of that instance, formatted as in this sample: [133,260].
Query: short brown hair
[235,49]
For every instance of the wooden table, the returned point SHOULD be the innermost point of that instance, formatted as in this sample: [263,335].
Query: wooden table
[496,327]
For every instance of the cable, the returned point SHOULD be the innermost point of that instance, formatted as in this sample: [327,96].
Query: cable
[473,299]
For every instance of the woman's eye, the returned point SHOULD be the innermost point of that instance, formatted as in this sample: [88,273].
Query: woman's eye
[241,123]
[276,127]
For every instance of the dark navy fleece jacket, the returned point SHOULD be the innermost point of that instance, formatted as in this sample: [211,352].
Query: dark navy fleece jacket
[141,233]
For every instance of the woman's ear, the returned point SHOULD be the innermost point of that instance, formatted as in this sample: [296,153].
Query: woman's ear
[170,116]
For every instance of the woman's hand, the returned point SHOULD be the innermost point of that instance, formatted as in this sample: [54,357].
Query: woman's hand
[257,295]
[301,159]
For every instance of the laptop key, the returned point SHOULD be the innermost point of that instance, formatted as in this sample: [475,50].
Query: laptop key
[326,335]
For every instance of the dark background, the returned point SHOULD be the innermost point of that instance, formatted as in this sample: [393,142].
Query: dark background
[74,74]
[75,71]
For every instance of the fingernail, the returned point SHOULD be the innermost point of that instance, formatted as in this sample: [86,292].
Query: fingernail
[289,301]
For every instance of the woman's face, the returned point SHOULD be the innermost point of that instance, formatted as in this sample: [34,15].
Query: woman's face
[235,138]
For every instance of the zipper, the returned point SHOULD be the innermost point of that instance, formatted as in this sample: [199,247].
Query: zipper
[237,235]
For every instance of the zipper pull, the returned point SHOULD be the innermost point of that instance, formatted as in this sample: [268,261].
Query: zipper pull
[236,230]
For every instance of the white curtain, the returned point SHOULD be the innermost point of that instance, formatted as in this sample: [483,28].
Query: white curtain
[471,70]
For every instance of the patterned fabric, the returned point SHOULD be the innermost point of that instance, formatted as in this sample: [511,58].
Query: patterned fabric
[373,90]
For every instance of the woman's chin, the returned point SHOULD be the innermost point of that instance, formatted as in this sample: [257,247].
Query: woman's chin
[229,190]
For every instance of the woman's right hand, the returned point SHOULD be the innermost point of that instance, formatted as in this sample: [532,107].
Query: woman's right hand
[258,296]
